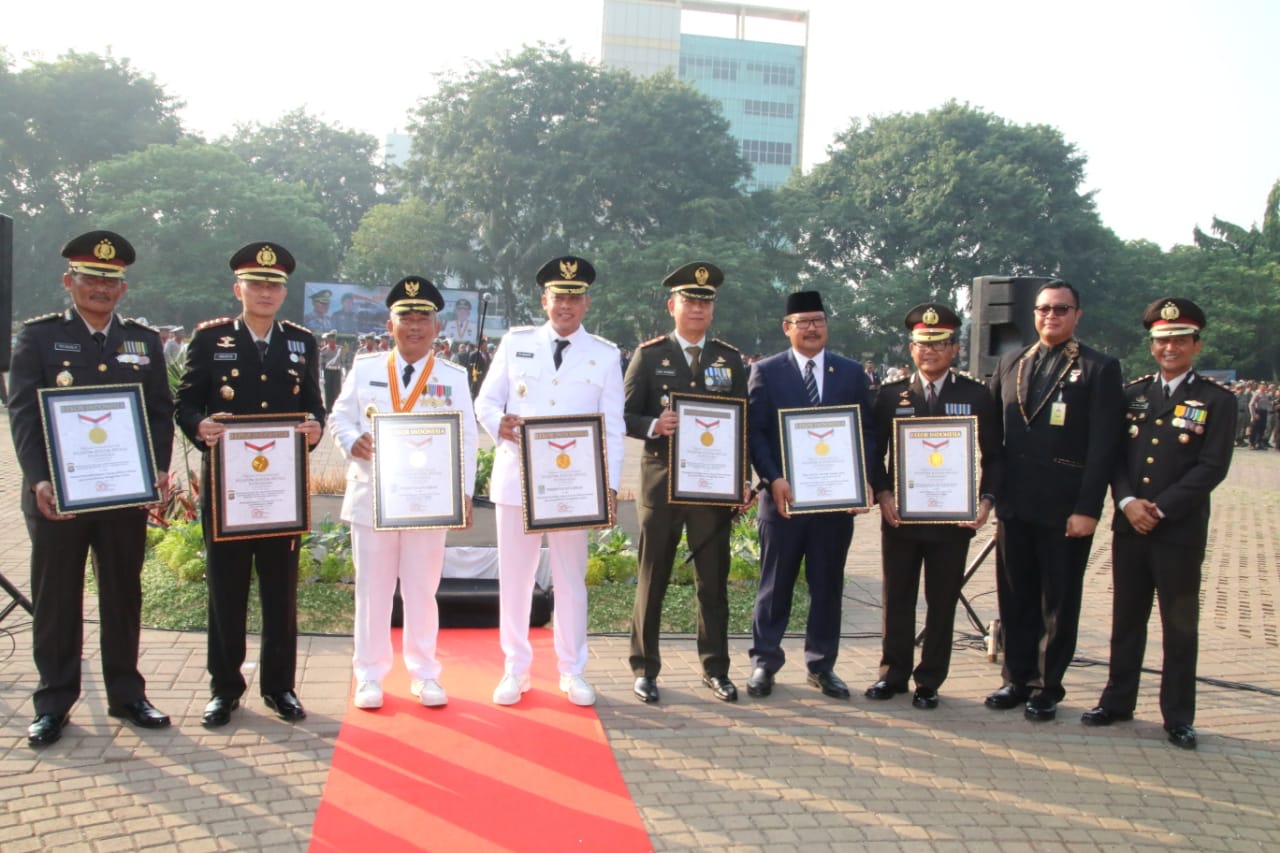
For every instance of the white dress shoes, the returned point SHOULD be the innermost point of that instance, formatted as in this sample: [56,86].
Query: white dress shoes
[430,693]
[510,689]
[369,695]
[578,690]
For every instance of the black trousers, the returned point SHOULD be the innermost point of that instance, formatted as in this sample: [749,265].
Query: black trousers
[660,529]
[59,549]
[229,576]
[332,387]
[943,561]
[1039,582]
[1143,567]
[821,541]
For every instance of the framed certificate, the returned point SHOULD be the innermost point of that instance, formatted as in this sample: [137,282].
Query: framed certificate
[564,475]
[822,458]
[936,469]
[259,478]
[417,471]
[707,460]
[99,447]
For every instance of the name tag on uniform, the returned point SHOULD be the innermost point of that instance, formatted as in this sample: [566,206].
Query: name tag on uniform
[62,346]
[1058,414]
[523,354]
[377,384]
[224,356]
[664,371]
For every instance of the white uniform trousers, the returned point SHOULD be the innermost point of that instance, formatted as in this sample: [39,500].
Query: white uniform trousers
[416,557]
[518,556]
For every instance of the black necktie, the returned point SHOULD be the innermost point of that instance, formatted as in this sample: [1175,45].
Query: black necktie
[408,374]
[811,384]
[932,399]
[561,343]
[1041,375]
[262,350]
[100,339]
[1168,393]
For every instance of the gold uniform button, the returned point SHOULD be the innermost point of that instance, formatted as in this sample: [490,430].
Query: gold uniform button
[1146,481]
[264,377]
[1155,441]
[66,364]
[553,402]
[264,404]
[555,381]
[102,368]
[1150,459]
[1159,421]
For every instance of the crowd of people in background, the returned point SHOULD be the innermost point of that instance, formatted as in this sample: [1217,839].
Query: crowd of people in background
[1257,414]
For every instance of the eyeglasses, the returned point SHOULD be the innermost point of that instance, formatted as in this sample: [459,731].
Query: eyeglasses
[1056,310]
[932,345]
[813,323]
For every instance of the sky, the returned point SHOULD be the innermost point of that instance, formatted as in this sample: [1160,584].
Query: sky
[1173,103]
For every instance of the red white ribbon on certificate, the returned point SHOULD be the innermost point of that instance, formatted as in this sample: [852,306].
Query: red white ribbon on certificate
[707,425]
[97,420]
[563,447]
[935,446]
[820,435]
[260,448]
[419,442]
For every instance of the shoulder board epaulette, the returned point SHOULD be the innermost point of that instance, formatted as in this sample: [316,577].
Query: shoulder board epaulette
[521,329]
[903,381]
[652,342]
[43,318]
[134,321]
[217,322]
[604,341]
[964,374]
[359,355]
[1200,377]
[448,362]
[1140,379]
[297,326]
[725,344]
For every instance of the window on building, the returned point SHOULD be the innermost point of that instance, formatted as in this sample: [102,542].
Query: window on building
[707,68]
[769,153]
[772,74]
[771,109]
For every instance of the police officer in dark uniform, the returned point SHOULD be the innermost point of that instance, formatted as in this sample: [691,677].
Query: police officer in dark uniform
[934,390]
[88,344]
[1181,430]
[251,364]
[688,361]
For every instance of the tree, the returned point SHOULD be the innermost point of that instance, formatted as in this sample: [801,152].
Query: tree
[911,207]
[339,166]
[395,240]
[538,155]
[57,120]
[187,208]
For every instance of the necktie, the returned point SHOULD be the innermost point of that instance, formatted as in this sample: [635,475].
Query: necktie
[694,352]
[561,343]
[1168,394]
[1041,373]
[811,384]
[101,340]
[262,350]
[932,399]
[408,374]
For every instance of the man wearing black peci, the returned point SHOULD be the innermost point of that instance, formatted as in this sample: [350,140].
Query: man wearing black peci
[686,360]
[1062,407]
[251,364]
[88,344]
[1181,430]
[934,390]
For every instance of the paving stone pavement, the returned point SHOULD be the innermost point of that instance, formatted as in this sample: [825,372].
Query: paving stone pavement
[793,771]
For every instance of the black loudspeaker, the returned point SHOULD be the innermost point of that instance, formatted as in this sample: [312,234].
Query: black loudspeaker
[6,291]
[1002,319]
[473,603]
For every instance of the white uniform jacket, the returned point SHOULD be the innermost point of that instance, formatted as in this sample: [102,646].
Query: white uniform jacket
[523,381]
[367,385]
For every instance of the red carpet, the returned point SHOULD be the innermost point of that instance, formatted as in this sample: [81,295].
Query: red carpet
[473,775]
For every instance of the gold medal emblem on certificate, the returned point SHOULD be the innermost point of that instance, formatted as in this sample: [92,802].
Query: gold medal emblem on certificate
[707,426]
[822,448]
[935,458]
[260,463]
[708,439]
[417,459]
[563,460]
[97,435]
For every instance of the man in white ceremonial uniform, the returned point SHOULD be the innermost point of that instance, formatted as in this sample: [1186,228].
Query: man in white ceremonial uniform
[556,369]
[410,378]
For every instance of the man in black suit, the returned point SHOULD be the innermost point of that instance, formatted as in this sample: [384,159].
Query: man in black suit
[1181,437]
[251,364]
[88,344]
[933,391]
[1062,406]
[684,361]
[804,376]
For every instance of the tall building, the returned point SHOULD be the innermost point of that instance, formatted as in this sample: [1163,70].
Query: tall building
[760,84]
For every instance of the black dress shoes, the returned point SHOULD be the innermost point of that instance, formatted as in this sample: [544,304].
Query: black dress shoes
[722,687]
[885,690]
[286,705]
[1007,697]
[218,711]
[646,689]
[1041,708]
[761,682]
[1100,716]
[1183,736]
[46,729]
[830,684]
[926,698]
[140,713]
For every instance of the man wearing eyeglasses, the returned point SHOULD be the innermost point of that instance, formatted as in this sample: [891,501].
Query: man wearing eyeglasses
[1179,446]
[87,344]
[1063,410]
[805,375]
[933,391]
